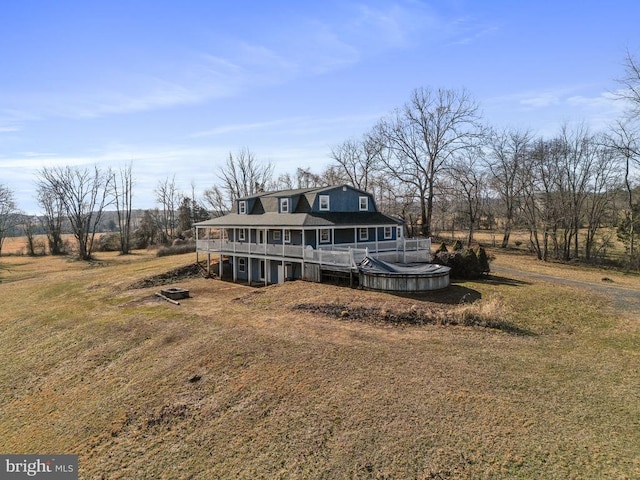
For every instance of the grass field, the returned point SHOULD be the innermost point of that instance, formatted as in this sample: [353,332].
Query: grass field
[237,383]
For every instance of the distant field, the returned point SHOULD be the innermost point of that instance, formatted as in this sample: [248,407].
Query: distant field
[612,249]
[18,245]
[237,383]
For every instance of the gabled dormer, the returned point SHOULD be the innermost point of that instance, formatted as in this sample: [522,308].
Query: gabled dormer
[249,206]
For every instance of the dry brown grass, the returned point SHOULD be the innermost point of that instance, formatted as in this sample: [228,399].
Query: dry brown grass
[235,383]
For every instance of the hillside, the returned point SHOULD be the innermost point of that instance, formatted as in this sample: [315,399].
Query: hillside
[238,382]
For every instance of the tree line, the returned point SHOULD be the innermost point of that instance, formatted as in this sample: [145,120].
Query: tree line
[433,162]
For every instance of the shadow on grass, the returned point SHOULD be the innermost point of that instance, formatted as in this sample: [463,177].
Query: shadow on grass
[499,280]
[452,295]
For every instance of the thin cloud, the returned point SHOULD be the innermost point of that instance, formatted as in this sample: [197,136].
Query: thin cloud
[296,125]
[241,127]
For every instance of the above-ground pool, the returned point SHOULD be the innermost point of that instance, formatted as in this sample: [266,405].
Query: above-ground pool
[393,277]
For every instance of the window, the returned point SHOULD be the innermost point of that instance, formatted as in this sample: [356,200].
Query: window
[242,207]
[325,235]
[241,235]
[399,232]
[284,205]
[364,203]
[242,265]
[363,234]
[287,236]
[387,233]
[324,202]
[276,235]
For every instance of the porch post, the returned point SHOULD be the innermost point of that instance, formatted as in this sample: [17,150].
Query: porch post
[220,266]
[377,249]
[249,270]
[235,268]
[267,271]
[355,236]
[303,250]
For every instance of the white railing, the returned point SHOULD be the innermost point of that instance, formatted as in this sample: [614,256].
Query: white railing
[346,255]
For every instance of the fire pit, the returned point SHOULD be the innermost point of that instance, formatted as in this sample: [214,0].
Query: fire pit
[175,293]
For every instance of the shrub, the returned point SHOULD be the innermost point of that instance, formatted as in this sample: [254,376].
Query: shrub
[464,265]
[442,248]
[483,260]
[109,242]
[189,247]
[457,246]
[470,264]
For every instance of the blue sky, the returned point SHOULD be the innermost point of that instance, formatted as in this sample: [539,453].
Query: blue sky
[173,87]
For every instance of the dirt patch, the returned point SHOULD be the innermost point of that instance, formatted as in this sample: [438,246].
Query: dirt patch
[467,316]
[172,276]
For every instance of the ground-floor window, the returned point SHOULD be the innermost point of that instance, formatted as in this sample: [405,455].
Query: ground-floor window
[387,233]
[325,235]
[364,234]
[242,265]
[287,236]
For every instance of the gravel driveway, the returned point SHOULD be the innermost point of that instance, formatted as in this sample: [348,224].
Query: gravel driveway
[623,298]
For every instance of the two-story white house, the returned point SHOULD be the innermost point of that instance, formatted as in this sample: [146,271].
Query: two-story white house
[303,234]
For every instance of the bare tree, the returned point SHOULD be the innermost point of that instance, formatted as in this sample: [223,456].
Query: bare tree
[358,160]
[580,154]
[244,175]
[53,218]
[423,136]
[508,149]
[305,178]
[624,139]
[84,193]
[8,213]
[122,184]
[469,181]
[631,84]
[602,187]
[216,202]
[168,197]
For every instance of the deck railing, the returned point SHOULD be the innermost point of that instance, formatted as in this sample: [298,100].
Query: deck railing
[346,255]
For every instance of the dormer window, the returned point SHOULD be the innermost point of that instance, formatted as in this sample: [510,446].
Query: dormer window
[242,207]
[284,205]
[364,204]
[324,203]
